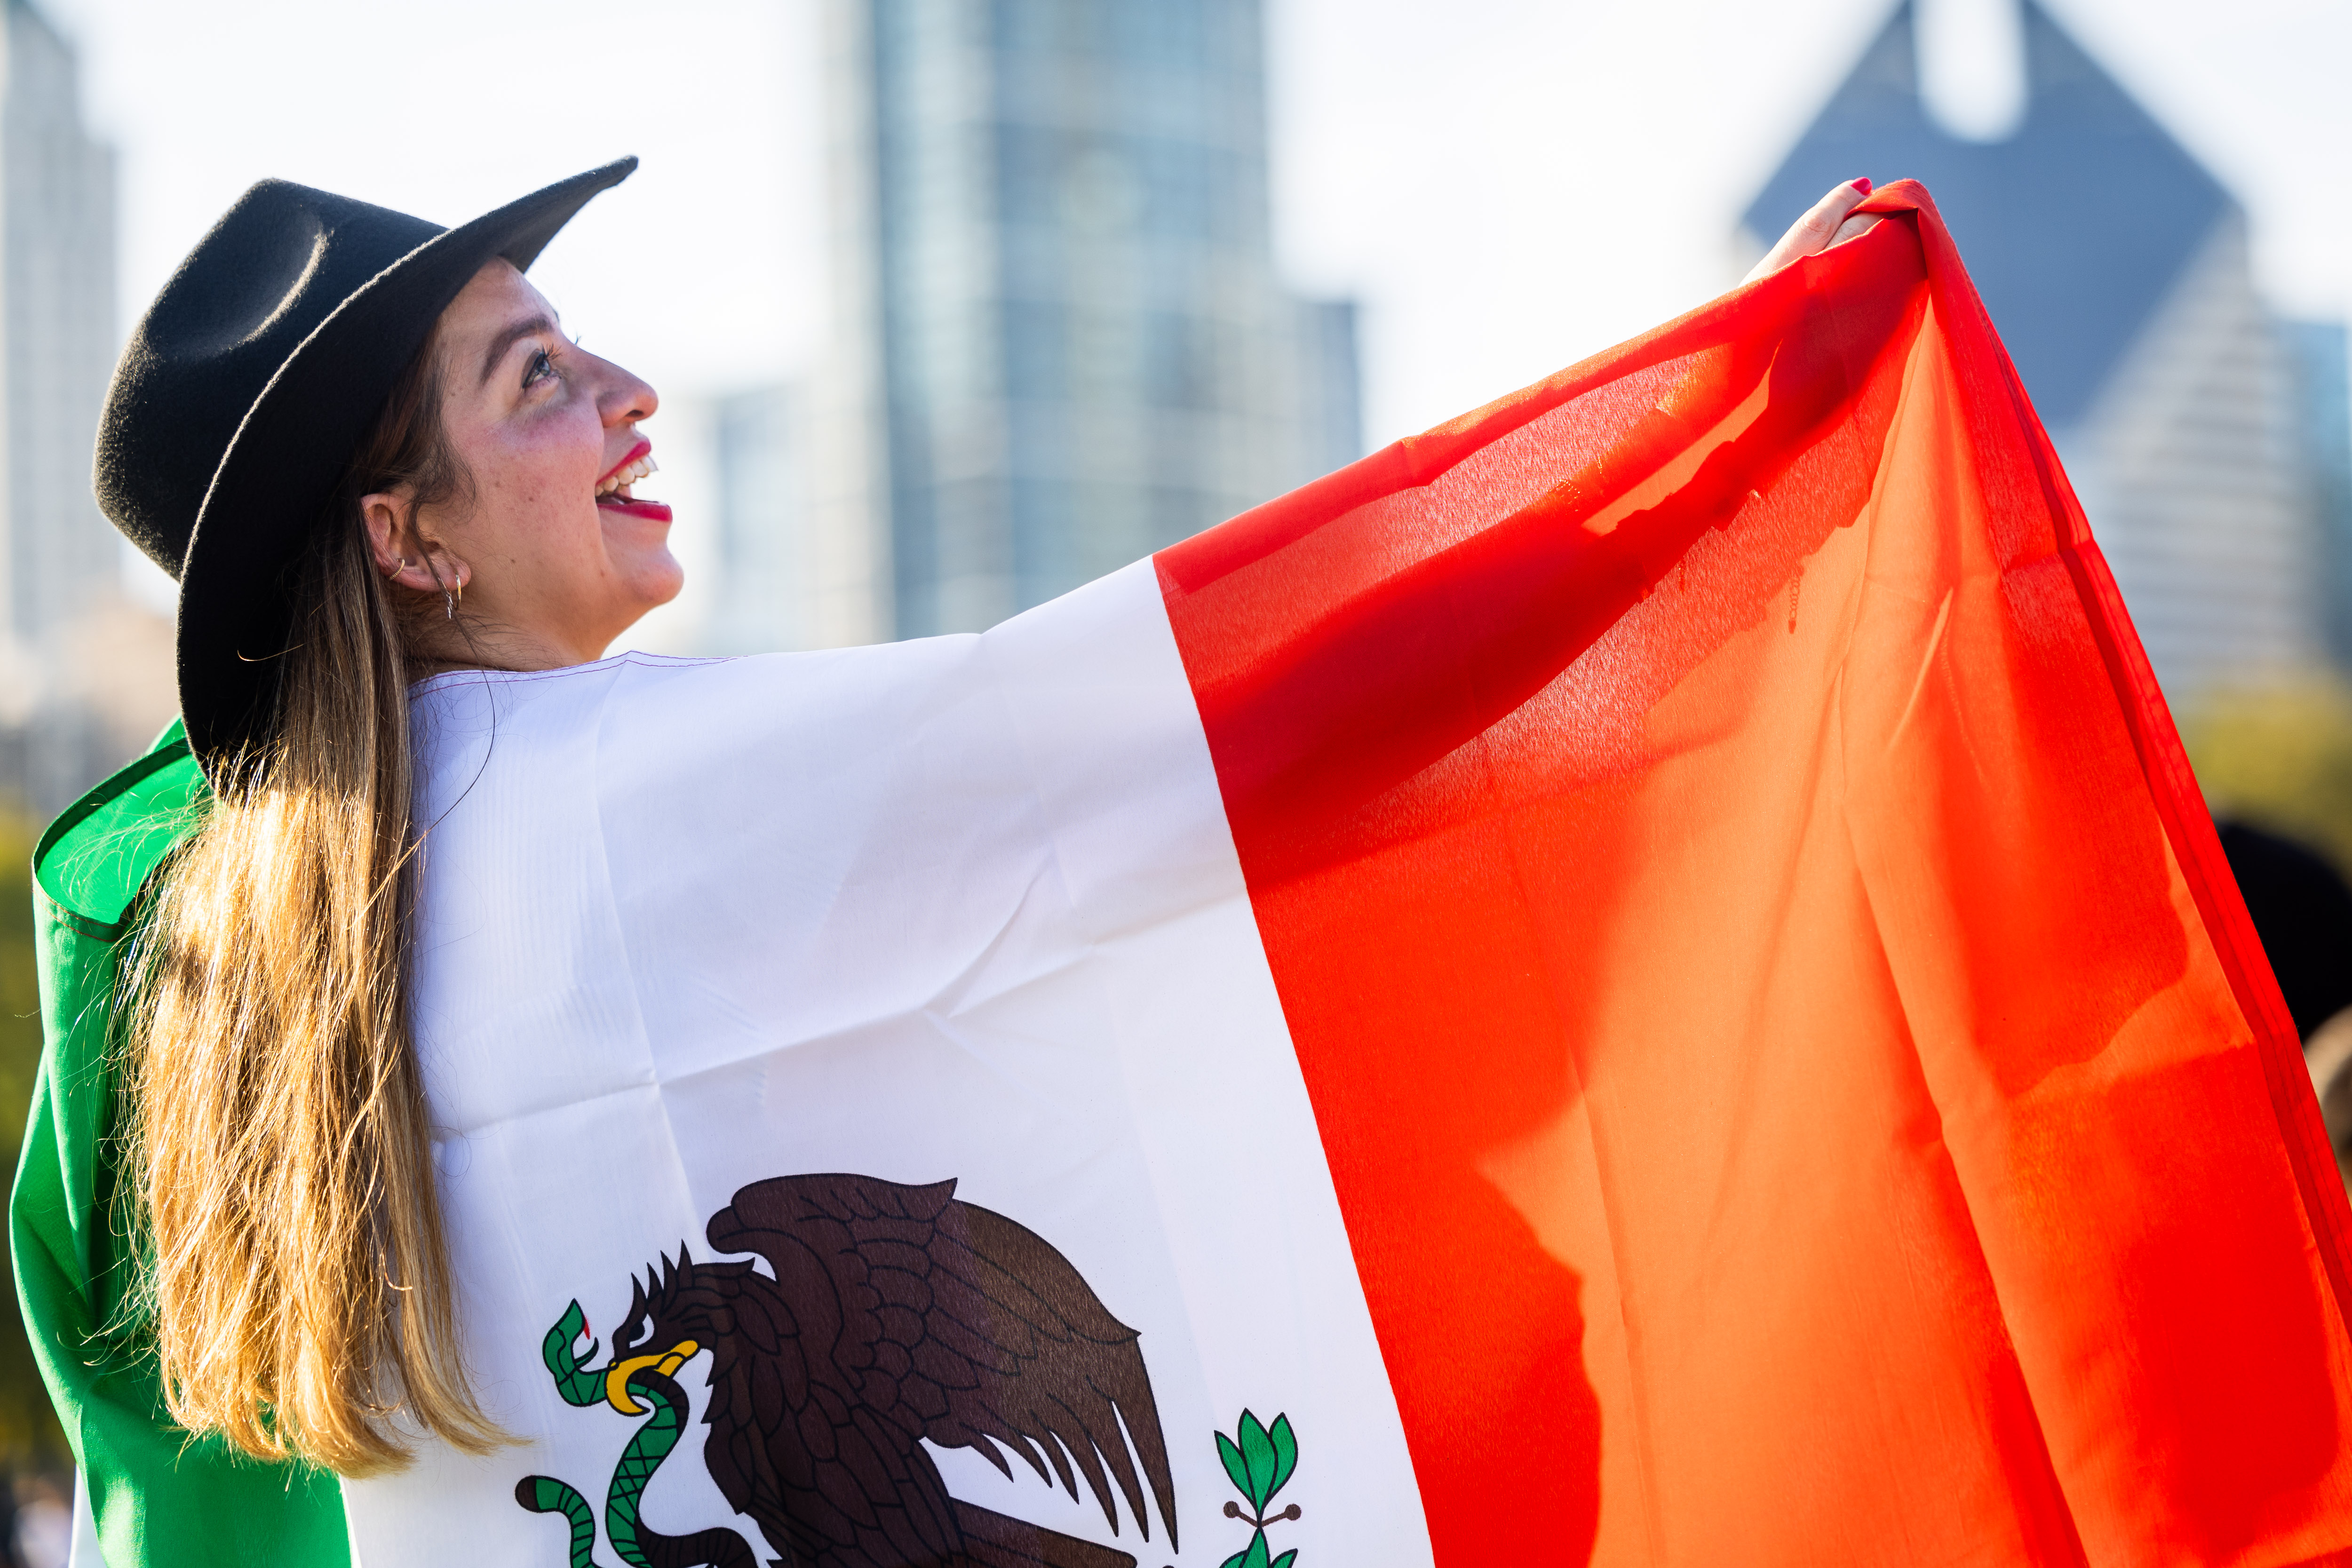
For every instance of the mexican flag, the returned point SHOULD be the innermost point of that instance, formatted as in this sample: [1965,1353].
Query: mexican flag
[1639,978]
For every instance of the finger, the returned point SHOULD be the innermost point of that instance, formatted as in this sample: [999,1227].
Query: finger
[1855,228]
[1814,232]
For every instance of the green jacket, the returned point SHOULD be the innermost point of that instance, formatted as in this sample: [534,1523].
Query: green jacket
[159,1497]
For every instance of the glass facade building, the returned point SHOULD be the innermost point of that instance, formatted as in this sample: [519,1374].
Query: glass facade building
[1063,343]
[60,561]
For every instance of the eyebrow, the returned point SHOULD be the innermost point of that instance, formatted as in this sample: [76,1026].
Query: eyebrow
[513,334]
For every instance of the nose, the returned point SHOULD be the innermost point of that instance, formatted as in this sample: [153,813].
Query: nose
[624,399]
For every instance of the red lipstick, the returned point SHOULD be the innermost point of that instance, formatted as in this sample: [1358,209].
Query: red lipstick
[633,452]
[618,497]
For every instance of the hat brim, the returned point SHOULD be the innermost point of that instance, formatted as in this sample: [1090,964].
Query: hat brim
[270,492]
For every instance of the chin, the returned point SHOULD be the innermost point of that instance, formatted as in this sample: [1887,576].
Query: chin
[656,581]
[638,552]
[670,579]
[643,587]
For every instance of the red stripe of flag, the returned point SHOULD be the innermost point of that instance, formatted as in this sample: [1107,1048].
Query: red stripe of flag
[1750,940]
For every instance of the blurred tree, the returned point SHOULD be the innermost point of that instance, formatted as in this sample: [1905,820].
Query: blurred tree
[2279,757]
[29,1428]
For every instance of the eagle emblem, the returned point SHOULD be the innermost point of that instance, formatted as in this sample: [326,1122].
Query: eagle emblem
[889,1316]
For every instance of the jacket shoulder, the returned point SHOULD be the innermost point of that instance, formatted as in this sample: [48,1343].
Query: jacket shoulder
[101,850]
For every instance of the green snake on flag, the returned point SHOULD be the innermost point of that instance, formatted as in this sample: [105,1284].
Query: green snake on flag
[638,1543]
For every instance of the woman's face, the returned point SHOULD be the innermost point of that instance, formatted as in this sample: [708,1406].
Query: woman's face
[556,556]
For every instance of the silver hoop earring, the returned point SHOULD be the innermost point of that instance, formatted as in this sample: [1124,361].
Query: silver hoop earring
[449,603]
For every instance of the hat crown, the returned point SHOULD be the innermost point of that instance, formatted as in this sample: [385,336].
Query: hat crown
[278,264]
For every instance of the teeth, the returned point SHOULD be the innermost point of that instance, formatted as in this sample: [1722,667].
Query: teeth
[625,478]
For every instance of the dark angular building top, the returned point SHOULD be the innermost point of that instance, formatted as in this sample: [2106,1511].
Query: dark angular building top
[2075,228]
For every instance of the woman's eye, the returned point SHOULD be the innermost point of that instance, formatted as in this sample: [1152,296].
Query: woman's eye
[541,366]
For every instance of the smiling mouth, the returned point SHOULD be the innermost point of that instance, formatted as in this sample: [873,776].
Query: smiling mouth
[614,490]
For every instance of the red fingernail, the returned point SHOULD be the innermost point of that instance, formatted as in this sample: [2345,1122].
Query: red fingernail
[1862,185]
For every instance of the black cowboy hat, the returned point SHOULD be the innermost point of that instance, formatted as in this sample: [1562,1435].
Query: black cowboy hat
[244,391]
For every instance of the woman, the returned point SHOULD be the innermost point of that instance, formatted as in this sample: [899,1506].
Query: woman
[372,457]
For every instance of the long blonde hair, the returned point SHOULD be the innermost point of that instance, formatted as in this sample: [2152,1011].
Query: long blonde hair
[278,1159]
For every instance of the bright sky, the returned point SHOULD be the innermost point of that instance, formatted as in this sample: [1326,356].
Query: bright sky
[1507,184]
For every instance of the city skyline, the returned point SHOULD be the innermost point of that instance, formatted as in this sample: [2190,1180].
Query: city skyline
[1439,169]
[1506,185]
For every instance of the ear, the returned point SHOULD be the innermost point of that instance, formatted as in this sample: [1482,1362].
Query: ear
[403,553]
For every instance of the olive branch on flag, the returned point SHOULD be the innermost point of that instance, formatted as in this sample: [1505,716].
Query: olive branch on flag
[1259,1463]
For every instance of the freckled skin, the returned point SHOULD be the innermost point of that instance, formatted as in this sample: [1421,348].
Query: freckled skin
[550,578]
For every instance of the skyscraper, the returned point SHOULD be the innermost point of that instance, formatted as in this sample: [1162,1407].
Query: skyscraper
[2323,382]
[2116,268]
[1062,343]
[59,559]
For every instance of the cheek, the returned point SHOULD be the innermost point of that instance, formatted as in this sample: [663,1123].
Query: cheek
[531,495]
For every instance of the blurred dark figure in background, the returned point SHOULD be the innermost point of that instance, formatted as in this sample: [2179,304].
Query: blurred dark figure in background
[2303,912]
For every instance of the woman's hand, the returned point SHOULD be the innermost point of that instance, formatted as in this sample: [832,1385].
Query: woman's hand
[1831,222]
